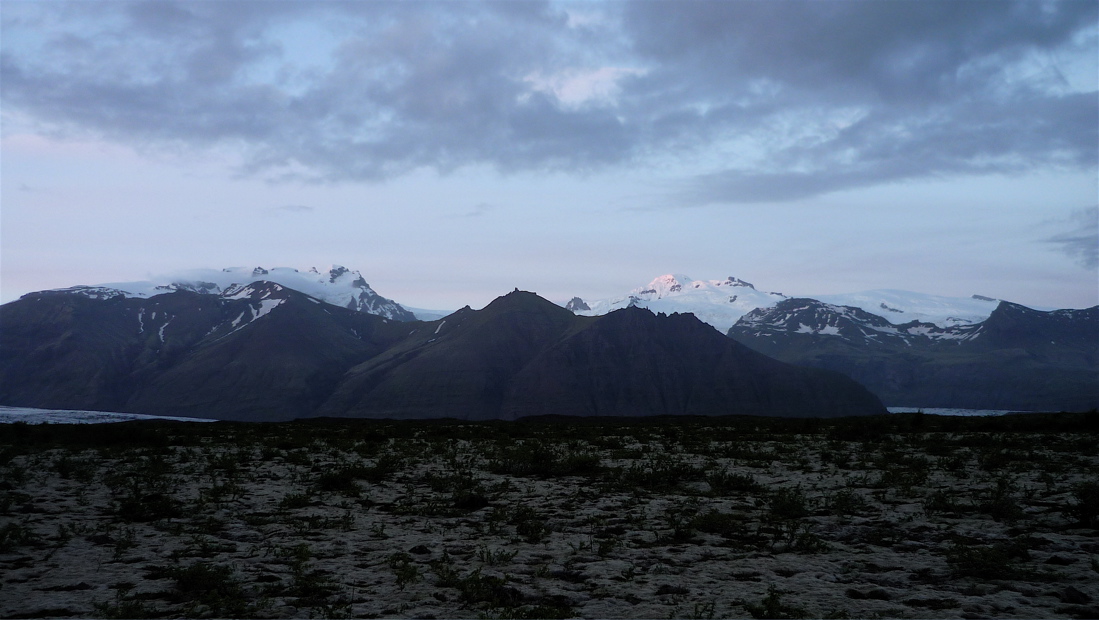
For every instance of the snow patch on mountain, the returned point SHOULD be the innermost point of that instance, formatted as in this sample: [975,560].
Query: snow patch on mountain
[813,317]
[240,318]
[267,305]
[905,306]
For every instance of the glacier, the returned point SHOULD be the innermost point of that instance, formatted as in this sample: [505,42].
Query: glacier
[721,303]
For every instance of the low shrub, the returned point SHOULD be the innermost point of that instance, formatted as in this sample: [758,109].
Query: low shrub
[544,460]
[788,503]
[1001,503]
[722,482]
[214,586]
[142,508]
[723,524]
[985,562]
[771,606]
[1085,506]
[529,525]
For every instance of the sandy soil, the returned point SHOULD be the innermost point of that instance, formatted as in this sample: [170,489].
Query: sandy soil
[466,521]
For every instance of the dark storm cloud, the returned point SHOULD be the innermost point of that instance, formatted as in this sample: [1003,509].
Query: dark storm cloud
[825,95]
[1080,241]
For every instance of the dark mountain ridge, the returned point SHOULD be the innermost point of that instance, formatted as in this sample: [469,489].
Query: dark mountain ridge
[652,364]
[522,355]
[266,352]
[1018,358]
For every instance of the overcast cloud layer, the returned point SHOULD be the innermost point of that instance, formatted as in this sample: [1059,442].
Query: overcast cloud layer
[455,150]
[766,101]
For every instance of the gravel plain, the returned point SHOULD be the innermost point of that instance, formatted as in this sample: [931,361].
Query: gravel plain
[906,516]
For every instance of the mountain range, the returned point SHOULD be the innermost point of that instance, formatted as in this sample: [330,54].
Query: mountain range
[910,349]
[264,351]
[720,303]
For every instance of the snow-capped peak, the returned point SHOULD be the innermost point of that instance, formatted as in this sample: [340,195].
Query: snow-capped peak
[722,303]
[338,286]
[665,285]
[717,302]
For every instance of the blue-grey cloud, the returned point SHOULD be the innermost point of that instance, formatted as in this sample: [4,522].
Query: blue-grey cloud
[290,209]
[827,95]
[478,210]
[1080,240]
[888,147]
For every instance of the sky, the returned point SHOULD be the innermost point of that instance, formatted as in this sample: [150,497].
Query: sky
[453,151]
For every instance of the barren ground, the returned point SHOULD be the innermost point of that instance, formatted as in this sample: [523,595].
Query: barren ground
[909,516]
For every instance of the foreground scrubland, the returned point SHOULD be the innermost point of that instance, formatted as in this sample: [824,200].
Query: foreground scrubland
[899,516]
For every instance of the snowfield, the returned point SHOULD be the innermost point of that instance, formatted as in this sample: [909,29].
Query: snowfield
[722,303]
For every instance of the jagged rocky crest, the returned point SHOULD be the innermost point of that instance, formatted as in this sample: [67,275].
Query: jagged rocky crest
[576,305]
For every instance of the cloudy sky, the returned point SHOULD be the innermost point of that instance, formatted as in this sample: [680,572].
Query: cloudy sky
[452,151]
